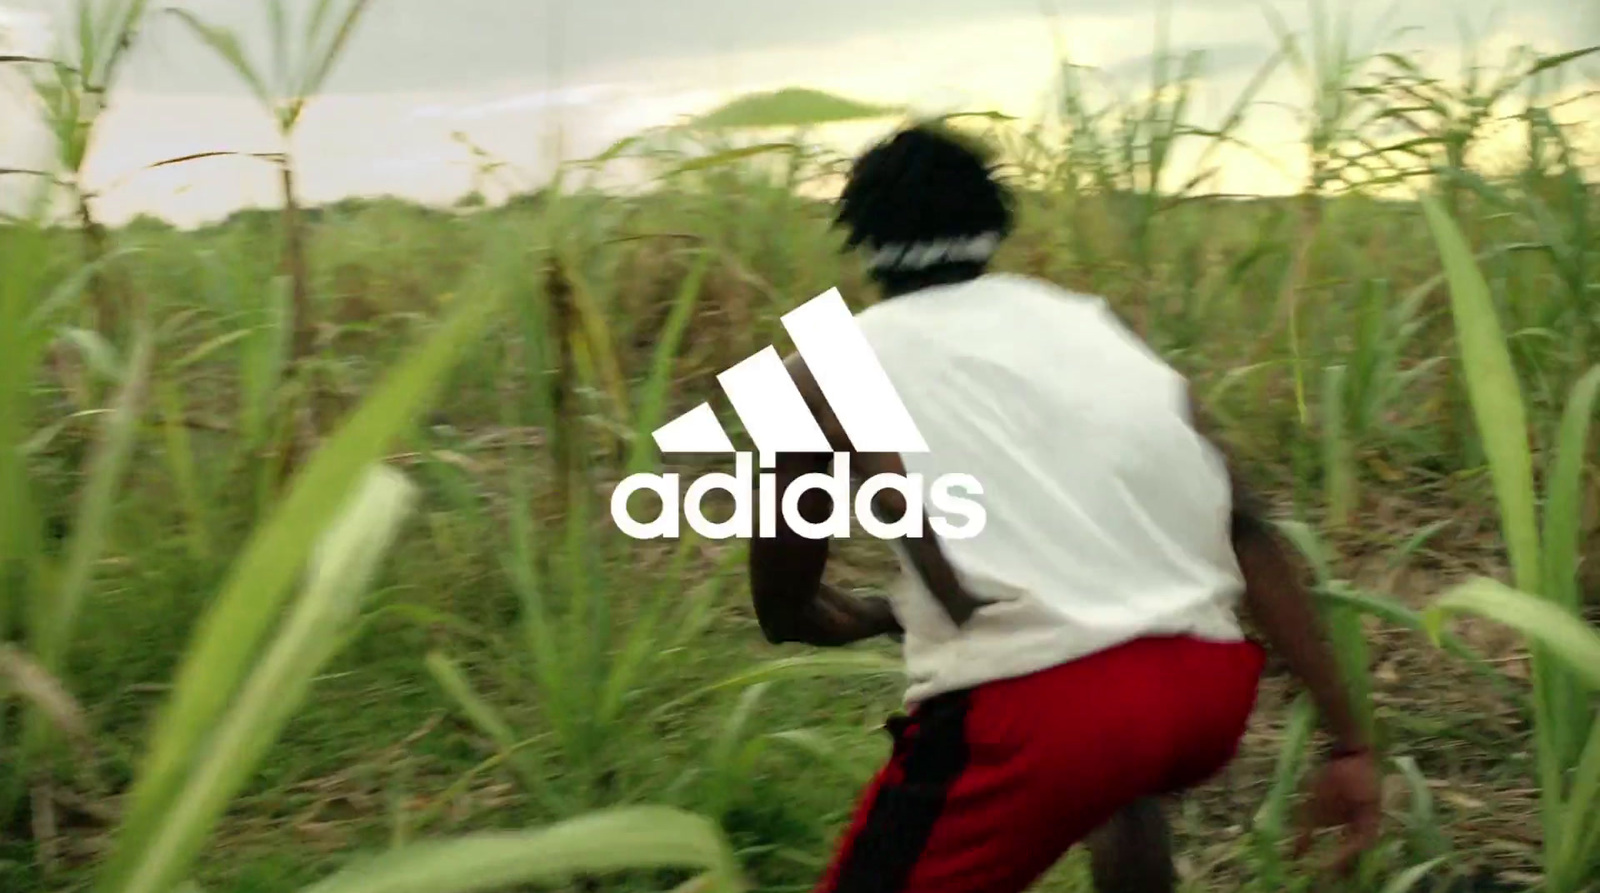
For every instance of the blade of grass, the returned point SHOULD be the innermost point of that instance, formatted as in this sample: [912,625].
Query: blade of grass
[1337,451]
[229,632]
[1412,876]
[637,837]
[55,611]
[643,641]
[1562,523]
[1270,827]
[817,665]
[227,45]
[1575,642]
[723,756]
[326,55]
[491,723]
[823,750]
[180,460]
[24,676]
[106,468]
[789,107]
[652,398]
[345,558]
[1496,396]
[1390,611]
[1579,847]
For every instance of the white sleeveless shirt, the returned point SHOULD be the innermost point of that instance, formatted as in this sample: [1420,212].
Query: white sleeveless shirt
[1107,515]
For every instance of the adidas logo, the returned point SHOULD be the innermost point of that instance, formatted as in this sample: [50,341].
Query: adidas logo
[775,415]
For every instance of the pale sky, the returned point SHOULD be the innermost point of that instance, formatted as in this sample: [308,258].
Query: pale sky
[503,71]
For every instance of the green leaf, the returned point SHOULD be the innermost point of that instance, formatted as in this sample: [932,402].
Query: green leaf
[346,555]
[485,717]
[1343,621]
[71,289]
[1391,611]
[821,748]
[1495,395]
[1548,62]
[1421,817]
[612,840]
[730,157]
[1338,462]
[488,721]
[230,631]
[615,150]
[1562,519]
[1575,642]
[733,725]
[723,755]
[21,675]
[97,352]
[326,54]
[644,641]
[994,116]
[1407,879]
[263,359]
[824,665]
[1270,825]
[180,460]
[208,348]
[652,399]
[1310,546]
[1417,540]
[1579,847]
[106,468]
[790,107]
[1562,535]
[230,48]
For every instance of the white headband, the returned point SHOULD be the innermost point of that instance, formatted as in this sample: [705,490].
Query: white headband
[914,256]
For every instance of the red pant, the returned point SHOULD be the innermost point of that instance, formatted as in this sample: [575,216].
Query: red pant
[986,789]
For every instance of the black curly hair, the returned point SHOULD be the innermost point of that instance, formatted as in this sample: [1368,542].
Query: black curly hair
[926,205]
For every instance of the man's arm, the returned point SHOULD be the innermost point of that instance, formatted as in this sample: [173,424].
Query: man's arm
[927,559]
[792,603]
[1347,790]
[1282,608]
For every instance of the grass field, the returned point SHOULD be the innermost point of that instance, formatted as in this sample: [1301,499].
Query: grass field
[202,688]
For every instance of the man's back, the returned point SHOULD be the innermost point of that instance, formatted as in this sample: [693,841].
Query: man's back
[1103,668]
[1107,515]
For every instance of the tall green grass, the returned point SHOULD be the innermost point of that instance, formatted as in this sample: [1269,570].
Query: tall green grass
[1544,603]
[250,665]
[558,330]
[72,90]
[603,627]
[45,589]
[299,65]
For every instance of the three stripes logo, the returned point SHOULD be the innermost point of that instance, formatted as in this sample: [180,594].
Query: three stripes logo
[775,415]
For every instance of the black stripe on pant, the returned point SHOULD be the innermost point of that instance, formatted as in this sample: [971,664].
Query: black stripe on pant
[931,747]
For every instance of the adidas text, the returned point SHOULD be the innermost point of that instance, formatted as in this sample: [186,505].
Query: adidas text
[864,402]
[956,516]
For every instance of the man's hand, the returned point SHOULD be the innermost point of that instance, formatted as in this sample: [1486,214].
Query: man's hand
[840,618]
[1346,793]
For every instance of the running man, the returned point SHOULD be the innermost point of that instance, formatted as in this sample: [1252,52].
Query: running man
[1081,657]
